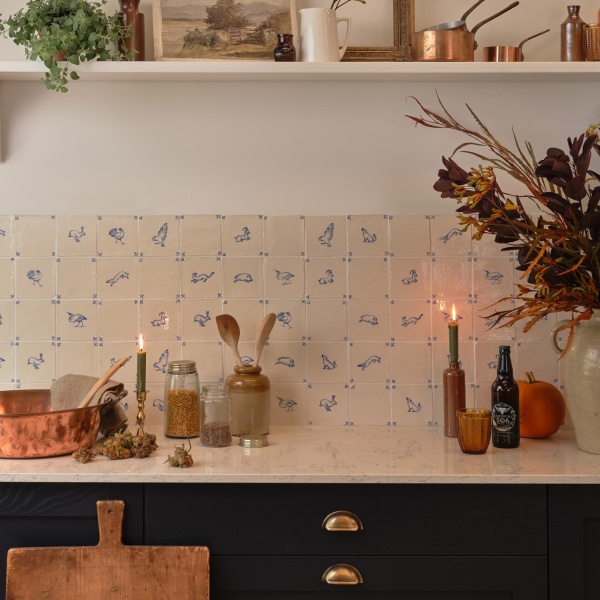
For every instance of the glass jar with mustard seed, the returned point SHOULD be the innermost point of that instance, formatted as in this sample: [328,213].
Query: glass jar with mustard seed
[182,400]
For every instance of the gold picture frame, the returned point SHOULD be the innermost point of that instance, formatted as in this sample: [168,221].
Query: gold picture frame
[403,18]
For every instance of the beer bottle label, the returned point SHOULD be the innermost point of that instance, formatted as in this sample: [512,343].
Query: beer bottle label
[503,416]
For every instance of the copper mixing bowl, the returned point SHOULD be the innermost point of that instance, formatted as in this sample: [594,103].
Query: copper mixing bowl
[30,429]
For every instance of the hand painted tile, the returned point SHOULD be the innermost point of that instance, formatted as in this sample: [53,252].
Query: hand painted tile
[117,236]
[368,320]
[412,405]
[448,238]
[368,278]
[35,235]
[7,236]
[109,353]
[36,319]
[78,357]
[411,362]
[327,404]
[76,320]
[452,278]
[36,363]
[35,278]
[410,278]
[328,362]
[326,236]
[161,320]
[370,404]
[242,235]
[201,277]
[285,362]
[76,235]
[201,235]
[243,278]
[369,362]
[198,319]
[409,236]
[7,277]
[288,404]
[487,363]
[160,277]
[483,321]
[327,320]
[117,278]
[119,320]
[158,356]
[540,332]
[441,358]
[284,236]
[248,313]
[8,320]
[159,236]
[493,277]
[368,235]
[209,360]
[284,277]
[538,358]
[410,320]
[326,278]
[76,277]
[290,323]
[7,364]
[441,319]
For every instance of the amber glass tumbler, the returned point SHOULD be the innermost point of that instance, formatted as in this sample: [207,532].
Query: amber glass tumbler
[474,429]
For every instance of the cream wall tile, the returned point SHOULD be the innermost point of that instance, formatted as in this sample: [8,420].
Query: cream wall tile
[540,332]
[326,278]
[483,320]
[452,278]
[159,236]
[409,236]
[536,357]
[327,362]
[368,235]
[117,278]
[7,277]
[76,277]
[247,354]
[198,319]
[327,404]
[410,277]
[368,278]
[368,320]
[158,356]
[290,324]
[242,235]
[109,352]
[369,362]
[117,236]
[327,320]
[441,358]
[35,278]
[410,320]
[76,320]
[447,237]
[118,320]
[35,235]
[79,358]
[161,320]
[442,318]
[370,404]
[153,409]
[248,313]
[159,277]
[412,405]
[209,360]
[76,235]
[326,236]
[7,364]
[493,277]
[7,320]
[285,362]
[284,277]
[36,320]
[243,277]
[411,362]
[487,362]
[284,236]
[201,235]
[7,236]
[288,404]
[35,363]
[201,277]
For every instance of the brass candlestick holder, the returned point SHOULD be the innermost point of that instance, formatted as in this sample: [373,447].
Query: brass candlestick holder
[141,417]
[454,396]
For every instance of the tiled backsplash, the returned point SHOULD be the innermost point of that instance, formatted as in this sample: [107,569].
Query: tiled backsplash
[362,304]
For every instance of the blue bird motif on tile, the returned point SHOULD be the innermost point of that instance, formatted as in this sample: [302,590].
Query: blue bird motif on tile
[162,321]
[247,360]
[412,407]
[117,234]
[285,318]
[327,236]
[202,319]
[286,361]
[327,279]
[161,364]
[328,365]
[368,238]
[453,232]
[243,278]
[76,318]
[489,322]
[201,277]
[287,405]
[370,319]
[283,276]
[120,275]
[327,404]
[35,277]
[406,321]
[243,237]
[371,360]
[448,317]
[160,404]
[36,362]
[77,234]
[161,236]
[494,276]
[410,280]
[492,365]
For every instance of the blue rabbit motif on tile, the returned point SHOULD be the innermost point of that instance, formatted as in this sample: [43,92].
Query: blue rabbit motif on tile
[327,236]
[36,362]
[201,277]
[161,321]
[243,278]
[35,277]
[77,234]
[327,404]
[370,319]
[287,405]
[161,236]
[202,319]
[371,360]
[285,318]
[117,233]
[243,237]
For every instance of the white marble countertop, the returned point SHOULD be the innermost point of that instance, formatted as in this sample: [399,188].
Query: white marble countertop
[332,455]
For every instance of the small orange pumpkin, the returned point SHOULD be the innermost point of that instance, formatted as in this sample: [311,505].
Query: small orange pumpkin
[541,407]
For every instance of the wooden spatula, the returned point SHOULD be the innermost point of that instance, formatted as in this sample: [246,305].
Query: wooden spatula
[103,379]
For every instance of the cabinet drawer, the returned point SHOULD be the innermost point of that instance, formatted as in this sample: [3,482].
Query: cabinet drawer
[255,519]
[397,578]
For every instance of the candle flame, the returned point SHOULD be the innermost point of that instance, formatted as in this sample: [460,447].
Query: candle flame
[453,313]
[141,342]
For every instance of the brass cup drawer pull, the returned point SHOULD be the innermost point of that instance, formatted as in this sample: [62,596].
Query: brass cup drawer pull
[342,520]
[342,574]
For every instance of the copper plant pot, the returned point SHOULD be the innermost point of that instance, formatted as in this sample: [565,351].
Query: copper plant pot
[30,429]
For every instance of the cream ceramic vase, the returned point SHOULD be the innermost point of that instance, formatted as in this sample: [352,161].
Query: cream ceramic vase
[581,379]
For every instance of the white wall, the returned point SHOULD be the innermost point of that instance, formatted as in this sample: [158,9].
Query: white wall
[271,148]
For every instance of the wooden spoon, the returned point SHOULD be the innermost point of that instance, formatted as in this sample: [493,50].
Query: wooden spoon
[262,335]
[102,380]
[230,333]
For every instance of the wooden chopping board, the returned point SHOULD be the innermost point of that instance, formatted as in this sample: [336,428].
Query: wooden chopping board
[110,569]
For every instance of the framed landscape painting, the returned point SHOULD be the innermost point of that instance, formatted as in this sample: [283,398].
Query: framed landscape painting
[220,29]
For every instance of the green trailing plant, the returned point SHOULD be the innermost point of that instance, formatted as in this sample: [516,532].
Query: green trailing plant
[72,31]
[339,3]
[558,252]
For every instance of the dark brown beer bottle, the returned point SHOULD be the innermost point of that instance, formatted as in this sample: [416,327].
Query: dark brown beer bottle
[505,404]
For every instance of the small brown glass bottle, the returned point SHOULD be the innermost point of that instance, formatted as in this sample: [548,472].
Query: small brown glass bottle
[285,51]
[572,36]
[454,396]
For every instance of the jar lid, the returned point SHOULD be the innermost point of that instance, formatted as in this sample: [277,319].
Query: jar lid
[182,366]
[254,441]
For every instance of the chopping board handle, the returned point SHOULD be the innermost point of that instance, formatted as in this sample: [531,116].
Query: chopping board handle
[110,522]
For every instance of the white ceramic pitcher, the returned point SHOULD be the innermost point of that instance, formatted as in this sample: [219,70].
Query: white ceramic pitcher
[319,40]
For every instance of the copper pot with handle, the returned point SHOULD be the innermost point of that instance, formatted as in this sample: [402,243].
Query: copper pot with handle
[449,45]
[508,53]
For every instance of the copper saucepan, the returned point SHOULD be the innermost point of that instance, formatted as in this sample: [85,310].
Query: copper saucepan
[508,53]
[450,45]
[30,429]
[462,24]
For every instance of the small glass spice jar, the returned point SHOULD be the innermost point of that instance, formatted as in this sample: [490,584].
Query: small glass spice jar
[182,400]
[215,415]
[250,401]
